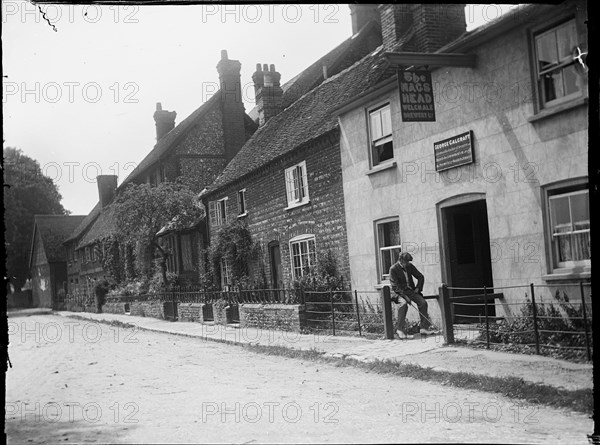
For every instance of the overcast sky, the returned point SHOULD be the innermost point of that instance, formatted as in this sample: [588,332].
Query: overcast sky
[79,96]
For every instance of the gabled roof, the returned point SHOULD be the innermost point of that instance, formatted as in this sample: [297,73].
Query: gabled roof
[102,227]
[341,57]
[85,223]
[308,118]
[314,114]
[53,230]
[171,139]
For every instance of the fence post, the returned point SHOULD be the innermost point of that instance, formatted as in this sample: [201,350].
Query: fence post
[388,321]
[535,326]
[585,325]
[332,313]
[357,312]
[446,309]
[487,319]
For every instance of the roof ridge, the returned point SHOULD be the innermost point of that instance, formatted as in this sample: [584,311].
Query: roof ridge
[43,215]
[266,144]
[334,77]
[164,144]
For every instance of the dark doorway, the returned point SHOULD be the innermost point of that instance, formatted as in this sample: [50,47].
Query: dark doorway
[468,259]
[276,272]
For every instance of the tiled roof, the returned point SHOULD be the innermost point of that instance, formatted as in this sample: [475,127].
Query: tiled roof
[313,114]
[85,223]
[171,139]
[54,229]
[308,118]
[336,60]
[103,227]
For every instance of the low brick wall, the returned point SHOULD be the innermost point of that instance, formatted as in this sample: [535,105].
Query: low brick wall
[190,312]
[285,317]
[150,308]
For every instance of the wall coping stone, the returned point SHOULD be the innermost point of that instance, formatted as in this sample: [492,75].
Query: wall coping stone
[272,306]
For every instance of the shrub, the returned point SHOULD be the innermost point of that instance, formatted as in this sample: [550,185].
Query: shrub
[563,319]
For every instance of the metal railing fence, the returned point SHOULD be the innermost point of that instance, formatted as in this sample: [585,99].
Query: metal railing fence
[541,321]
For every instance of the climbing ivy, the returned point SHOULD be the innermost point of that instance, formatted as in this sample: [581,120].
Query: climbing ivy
[234,246]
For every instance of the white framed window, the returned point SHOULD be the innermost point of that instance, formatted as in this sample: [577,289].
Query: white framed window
[92,253]
[388,245]
[557,78]
[303,255]
[380,135]
[296,185]
[221,211]
[87,254]
[242,211]
[225,275]
[569,226]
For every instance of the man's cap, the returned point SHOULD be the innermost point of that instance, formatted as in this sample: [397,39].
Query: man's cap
[405,256]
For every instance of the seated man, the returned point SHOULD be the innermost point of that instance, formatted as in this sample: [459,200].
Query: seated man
[401,279]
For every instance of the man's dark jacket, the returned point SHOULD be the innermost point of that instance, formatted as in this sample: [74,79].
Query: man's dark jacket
[398,279]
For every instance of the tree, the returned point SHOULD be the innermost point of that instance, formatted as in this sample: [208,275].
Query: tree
[27,192]
[143,210]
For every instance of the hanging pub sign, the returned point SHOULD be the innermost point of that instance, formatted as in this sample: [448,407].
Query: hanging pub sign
[416,96]
[454,151]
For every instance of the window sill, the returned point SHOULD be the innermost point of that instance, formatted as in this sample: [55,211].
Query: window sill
[300,204]
[381,167]
[558,109]
[571,274]
[241,215]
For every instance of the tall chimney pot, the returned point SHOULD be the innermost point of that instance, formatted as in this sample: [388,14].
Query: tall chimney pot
[107,185]
[232,105]
[165,121]
[268,91]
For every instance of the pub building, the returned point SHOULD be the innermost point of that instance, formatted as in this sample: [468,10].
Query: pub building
[489,187]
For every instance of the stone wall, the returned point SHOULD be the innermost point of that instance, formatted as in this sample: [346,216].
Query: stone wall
[114,307]
[219,312]
[272,316]
[191,312]
[151,308]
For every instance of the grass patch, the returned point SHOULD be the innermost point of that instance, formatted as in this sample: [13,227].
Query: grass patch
[114,323]
[580,400]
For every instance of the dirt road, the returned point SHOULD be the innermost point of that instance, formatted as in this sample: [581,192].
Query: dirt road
[79,381]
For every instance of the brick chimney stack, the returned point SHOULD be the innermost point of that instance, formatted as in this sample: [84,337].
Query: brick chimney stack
[438,24]
[107,186]
[361,15]
[396,20]
[165,121]
[269,95]
[232,106]
[434,25]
